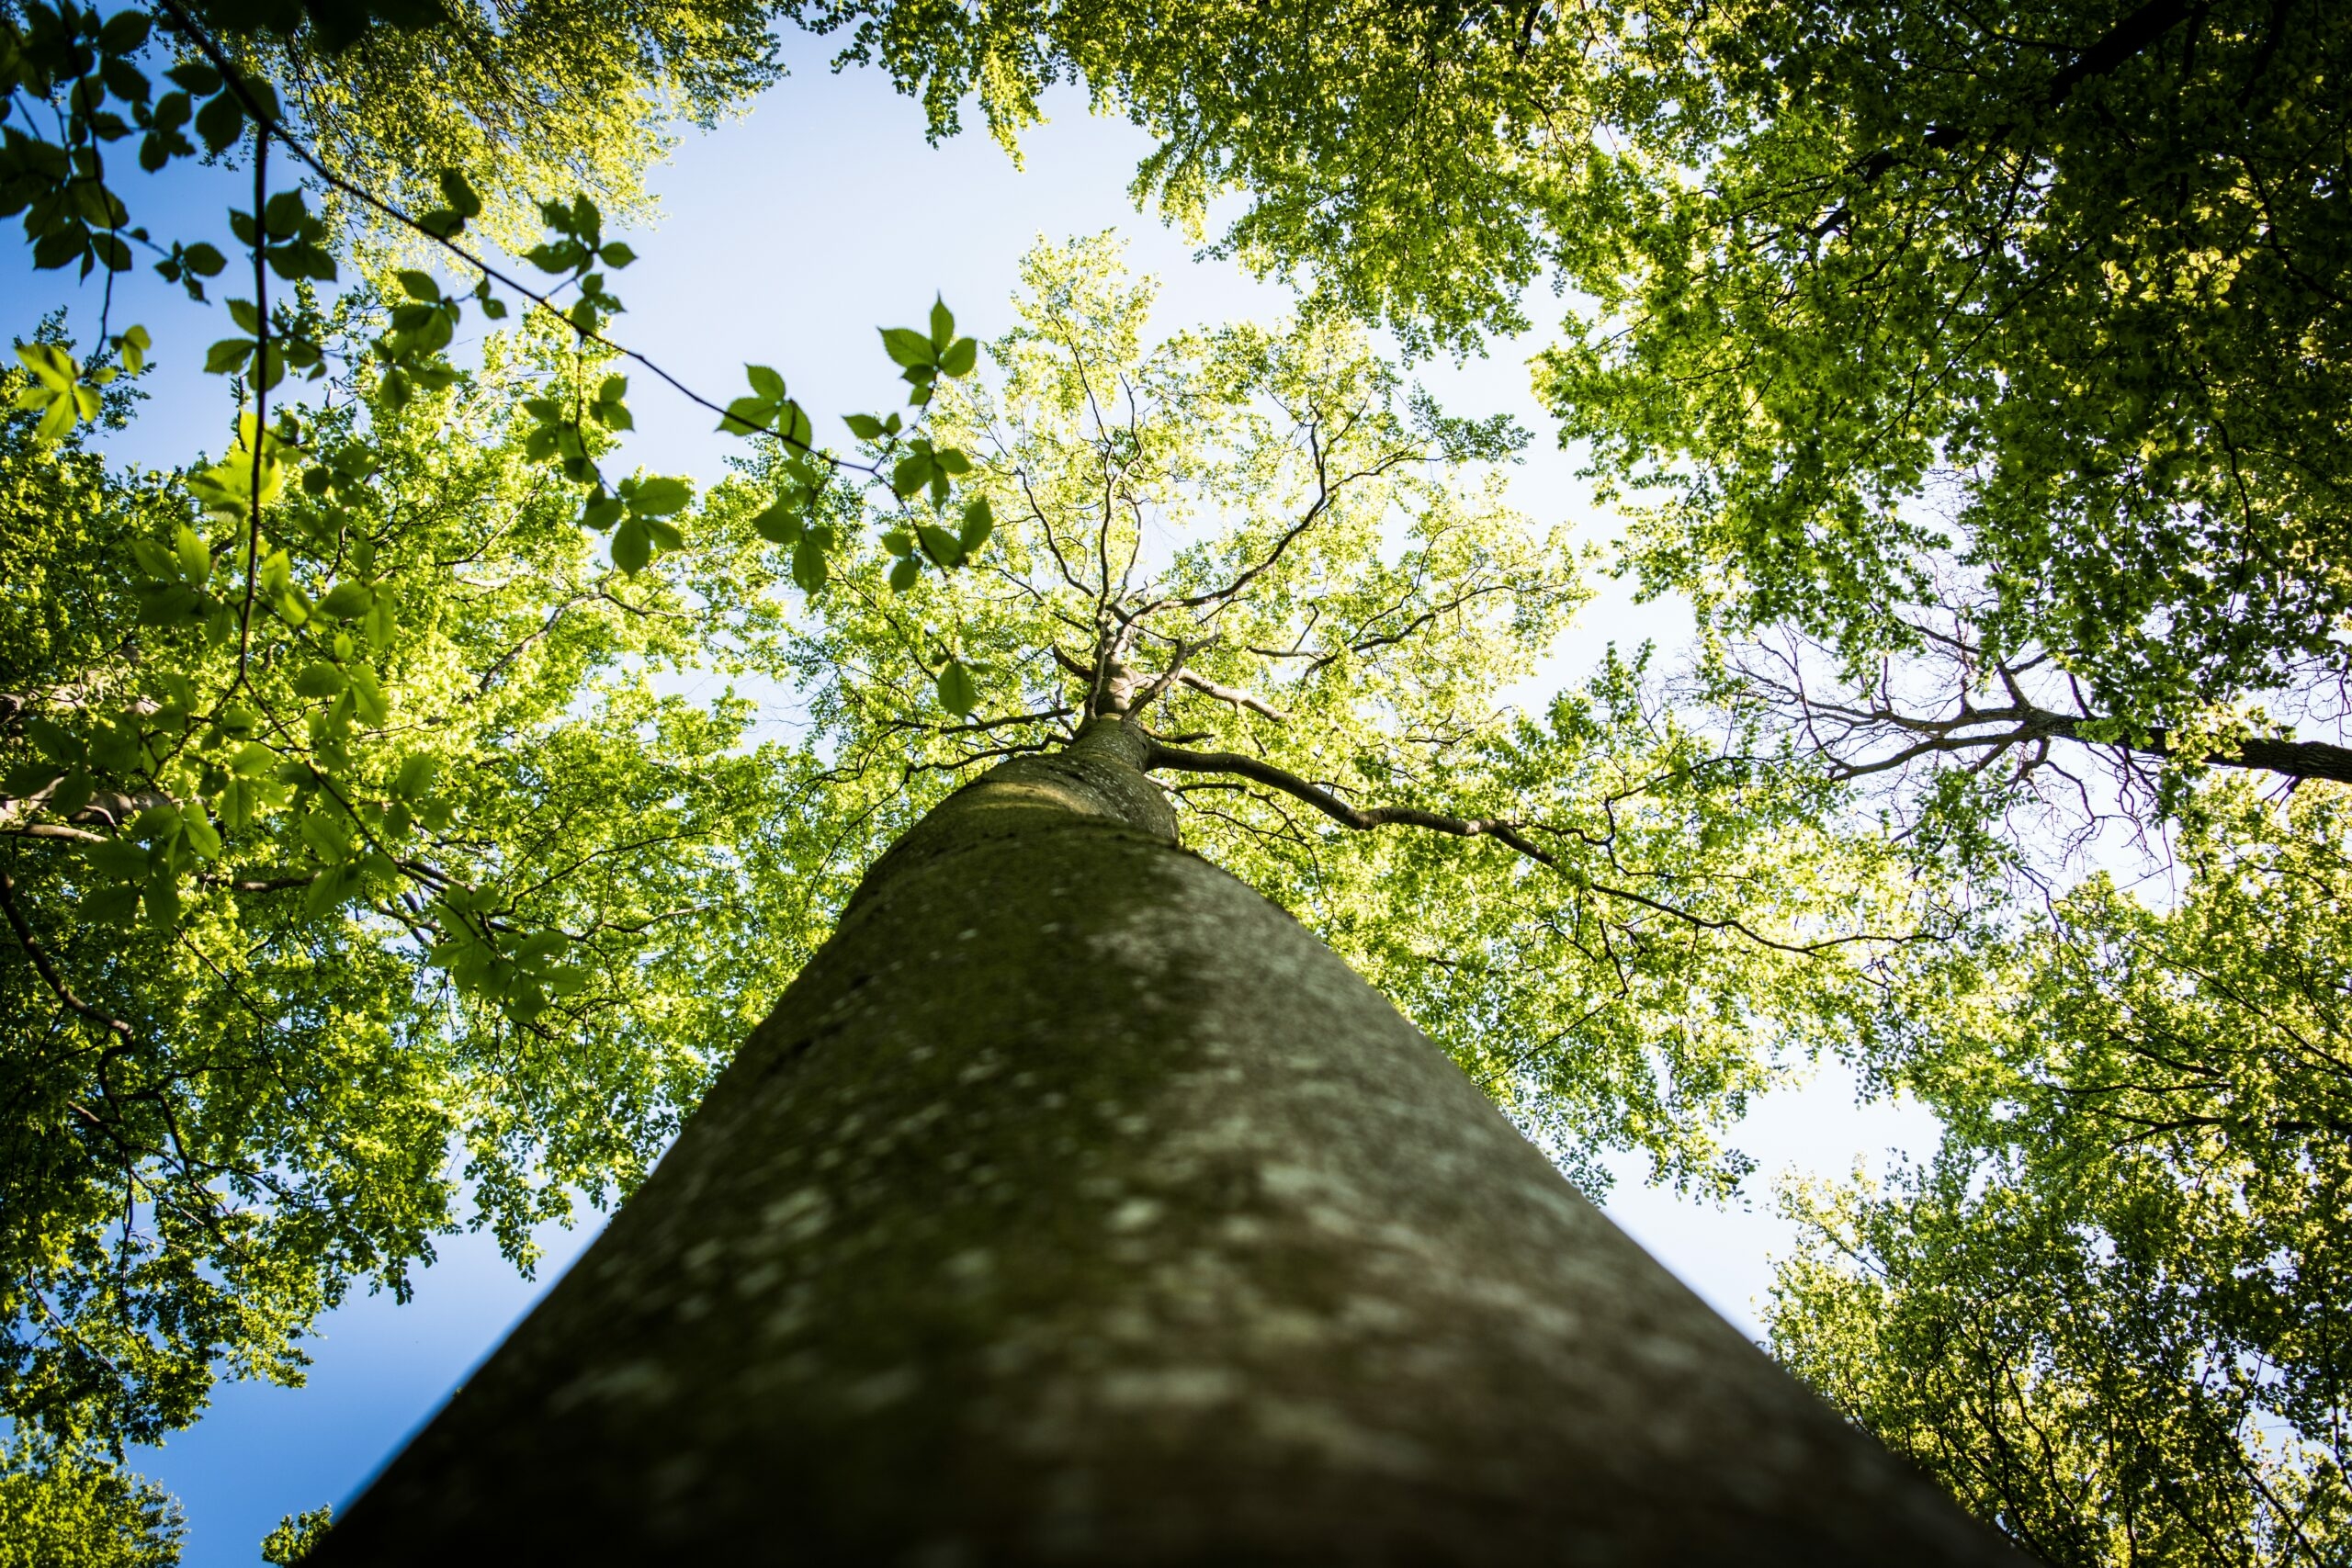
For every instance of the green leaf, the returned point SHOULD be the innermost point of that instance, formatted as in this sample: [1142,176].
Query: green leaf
[808,564]
[978,524]
[632,547]
[415,776]
[221,122]
[903,573]
[30,778]
[118,858]
[202,836]
[616,254]
[943,325]
[557,257]
[57,421]
[125,32]
[910,473]
[155,560]
[197,77]
[381,623]
[792,424]
[960,357]
[319,679]
[940,545]
[747,416]
[163,896]
[658,497]
[284,213]
[907,347]
[370,693]
[420,286]
[765,382]
[346,600]
[864,426]
[459,194]
[957,694]
[73,792]
[534,951]
[194,560]
[51,366]
[325,893]
[779,523]
[132,347]
[114,904]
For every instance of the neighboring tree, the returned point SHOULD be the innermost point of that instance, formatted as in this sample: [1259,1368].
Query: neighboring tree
[65,1512]
[296,1537]
[414,871]
[2111,1315]
[1076,1203]
[350,860]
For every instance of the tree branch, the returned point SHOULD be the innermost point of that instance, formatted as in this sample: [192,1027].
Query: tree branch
[1500,829]
[1339,810]
[48,971]
[1209,688]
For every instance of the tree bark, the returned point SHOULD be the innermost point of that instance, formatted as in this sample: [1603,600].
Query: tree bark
[1077,1205]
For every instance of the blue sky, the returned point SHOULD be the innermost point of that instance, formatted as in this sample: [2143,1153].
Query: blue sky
[787,238]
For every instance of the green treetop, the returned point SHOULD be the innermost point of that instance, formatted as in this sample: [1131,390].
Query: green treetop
[1267,547]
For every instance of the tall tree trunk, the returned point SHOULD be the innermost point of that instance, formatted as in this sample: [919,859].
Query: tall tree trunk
[1077,1205]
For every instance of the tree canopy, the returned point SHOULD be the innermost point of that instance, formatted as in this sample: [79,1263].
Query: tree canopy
[349,827]
[1978,376]
[2031,311]
[1285,554]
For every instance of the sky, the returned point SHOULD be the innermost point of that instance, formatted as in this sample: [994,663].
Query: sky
[785,239]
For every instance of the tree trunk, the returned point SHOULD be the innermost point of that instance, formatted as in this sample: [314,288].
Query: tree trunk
[1077,1205]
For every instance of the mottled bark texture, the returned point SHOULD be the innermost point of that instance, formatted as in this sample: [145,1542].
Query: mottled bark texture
[1077,1205]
